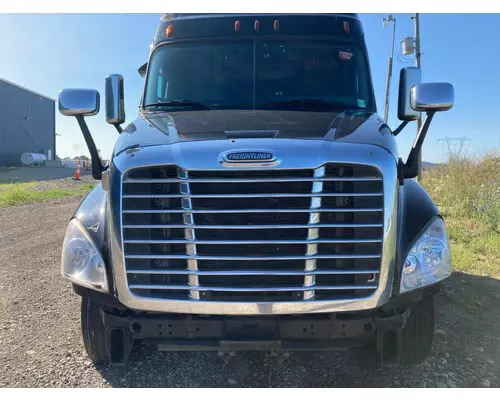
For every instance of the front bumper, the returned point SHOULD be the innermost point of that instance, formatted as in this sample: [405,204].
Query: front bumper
[325,331]
[239,333]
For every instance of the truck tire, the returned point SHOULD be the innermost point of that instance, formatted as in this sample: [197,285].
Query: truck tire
[417,335]
[99,344]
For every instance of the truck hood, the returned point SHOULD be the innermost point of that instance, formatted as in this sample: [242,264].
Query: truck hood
[167,128]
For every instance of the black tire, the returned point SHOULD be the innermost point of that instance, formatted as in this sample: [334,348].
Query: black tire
[95,337]
[417,335]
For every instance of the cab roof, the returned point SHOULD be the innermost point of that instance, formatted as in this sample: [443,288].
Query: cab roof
[175,16]
[174,27]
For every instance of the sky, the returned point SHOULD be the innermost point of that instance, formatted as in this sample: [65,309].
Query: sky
[49,52]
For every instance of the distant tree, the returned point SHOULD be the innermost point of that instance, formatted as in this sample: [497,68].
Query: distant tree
[81,158]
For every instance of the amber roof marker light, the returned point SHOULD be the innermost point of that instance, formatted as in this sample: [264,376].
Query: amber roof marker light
[276,25]
[256,25]
[237,26]
[169,31]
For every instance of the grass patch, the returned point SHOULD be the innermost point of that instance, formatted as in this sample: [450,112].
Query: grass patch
[12,194]
[467,191]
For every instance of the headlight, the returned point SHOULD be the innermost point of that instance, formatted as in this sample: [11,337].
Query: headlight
[81,261]
[429,259]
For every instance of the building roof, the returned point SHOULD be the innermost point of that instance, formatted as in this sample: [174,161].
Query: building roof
[28,90]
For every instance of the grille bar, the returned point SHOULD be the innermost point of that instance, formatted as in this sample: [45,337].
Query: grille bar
[256,180]
[313,233]
[189,233]
[264,210]
[198,257]
[215,242]
[244,195]
[252,272]
[176,226]
[251,289]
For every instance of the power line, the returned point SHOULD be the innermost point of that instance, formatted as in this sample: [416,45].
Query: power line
[40,148]
[454,147]
[405,60]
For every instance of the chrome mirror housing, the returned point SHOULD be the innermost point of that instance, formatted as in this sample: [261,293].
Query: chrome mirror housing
[432,97]
[115,100]
[79,102]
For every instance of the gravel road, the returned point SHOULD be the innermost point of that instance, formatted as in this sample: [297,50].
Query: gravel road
[41,346]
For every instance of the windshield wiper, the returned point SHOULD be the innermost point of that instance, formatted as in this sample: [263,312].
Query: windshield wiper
[181,103]
[309,103]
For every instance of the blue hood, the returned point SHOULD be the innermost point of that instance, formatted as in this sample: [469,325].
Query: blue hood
[154,129]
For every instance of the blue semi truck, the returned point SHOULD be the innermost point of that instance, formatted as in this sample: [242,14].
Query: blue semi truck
[258,201]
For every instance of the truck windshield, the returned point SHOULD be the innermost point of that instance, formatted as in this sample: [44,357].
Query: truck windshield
[305,75]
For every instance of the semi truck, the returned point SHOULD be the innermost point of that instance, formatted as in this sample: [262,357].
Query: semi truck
[258,201]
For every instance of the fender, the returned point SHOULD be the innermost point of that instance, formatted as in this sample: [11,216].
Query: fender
[91,212]
[416,210]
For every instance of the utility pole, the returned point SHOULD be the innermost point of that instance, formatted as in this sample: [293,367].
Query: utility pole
[416,21]
[385,22]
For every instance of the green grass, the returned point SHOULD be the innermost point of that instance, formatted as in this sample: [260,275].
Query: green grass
[467,191]
[12,194]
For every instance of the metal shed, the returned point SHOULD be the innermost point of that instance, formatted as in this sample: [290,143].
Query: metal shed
[27,123]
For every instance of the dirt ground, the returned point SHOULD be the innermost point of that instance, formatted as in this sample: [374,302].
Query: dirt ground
[41,346]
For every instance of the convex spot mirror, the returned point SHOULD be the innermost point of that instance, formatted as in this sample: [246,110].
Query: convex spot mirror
[143,69]
[79,102]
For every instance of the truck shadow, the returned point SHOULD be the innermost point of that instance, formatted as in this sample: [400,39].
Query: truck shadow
[467,329]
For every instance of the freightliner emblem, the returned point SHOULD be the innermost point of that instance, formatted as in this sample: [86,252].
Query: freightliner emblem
[249,156]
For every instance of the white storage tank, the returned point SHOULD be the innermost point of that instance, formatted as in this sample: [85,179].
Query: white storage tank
[33,159]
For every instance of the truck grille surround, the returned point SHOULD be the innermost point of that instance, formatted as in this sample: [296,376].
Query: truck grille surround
[250,235]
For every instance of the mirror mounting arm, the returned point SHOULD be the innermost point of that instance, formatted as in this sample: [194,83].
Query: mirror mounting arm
[398,130]
[410,169]
[97,167]
[118,128]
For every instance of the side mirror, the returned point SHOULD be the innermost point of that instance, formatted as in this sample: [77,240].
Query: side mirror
[408,78]
[115,101]
[429,98]
[432,97]
[142,70]
[79,102]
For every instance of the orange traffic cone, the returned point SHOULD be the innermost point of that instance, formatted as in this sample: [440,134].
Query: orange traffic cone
[77,172]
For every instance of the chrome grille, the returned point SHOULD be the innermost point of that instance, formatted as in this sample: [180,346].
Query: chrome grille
[262,235]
